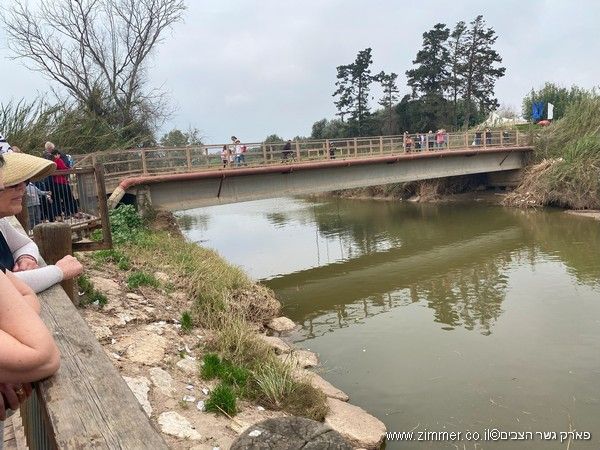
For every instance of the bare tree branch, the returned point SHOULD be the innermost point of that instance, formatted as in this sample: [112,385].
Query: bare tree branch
[95,49]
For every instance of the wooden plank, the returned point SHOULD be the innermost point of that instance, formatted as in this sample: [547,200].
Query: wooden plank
[89,404]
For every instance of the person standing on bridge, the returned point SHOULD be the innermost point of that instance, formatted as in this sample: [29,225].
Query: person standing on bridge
[440,138]
[408,142]
[239,153]
[286,151]
[225,156]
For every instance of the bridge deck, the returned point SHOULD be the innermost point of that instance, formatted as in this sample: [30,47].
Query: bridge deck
[123,164]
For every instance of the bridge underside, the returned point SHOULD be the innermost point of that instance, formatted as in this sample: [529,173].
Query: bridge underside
[186,191]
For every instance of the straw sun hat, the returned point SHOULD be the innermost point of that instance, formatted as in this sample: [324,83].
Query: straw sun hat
[20,167]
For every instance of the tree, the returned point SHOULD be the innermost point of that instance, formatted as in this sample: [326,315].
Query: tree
[478,70]
[353,87]
[388,101]
[456,50]
[96,51]
[559,96]
[174,138]
[273,139]
[328,129]
[431,74]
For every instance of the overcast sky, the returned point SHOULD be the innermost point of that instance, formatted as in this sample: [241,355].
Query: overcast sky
[256,67]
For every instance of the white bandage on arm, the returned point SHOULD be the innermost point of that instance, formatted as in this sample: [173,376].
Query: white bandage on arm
[41,279]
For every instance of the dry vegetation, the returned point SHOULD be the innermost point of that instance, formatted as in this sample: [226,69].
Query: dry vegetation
[567,173]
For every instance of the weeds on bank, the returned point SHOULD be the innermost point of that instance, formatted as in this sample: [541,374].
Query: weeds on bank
[140,278]
[90,294]
[113,256]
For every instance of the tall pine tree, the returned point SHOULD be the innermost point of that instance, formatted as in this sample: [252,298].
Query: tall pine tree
[388,101]
[353,86]
[478,70]
[456,48]
[431,74]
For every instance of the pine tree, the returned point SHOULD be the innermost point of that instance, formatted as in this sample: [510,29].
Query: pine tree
[388,101]
[431,74]
[353,87]
[479,72]
[456,48]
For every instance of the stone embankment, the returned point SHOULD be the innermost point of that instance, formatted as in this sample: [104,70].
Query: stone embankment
[140,331]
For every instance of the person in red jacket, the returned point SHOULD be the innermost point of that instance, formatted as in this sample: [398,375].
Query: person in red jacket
[65,202]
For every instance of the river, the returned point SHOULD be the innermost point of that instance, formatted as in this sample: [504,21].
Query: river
[446,317]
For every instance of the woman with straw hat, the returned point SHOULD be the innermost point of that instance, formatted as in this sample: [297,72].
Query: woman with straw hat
[28,350]
[18,253]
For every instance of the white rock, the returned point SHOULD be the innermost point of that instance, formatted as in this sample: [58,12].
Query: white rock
[106,286]
[116,356]
[321,384]
[162,380]
[355,424]
[300,358]
[190,387]
[146,348]
[201,406]
[189,398]
[132,296]
[281,324]
[140,387]
[205,391]
[188,365]
[162,277]
[260,408]
[255,433]
[278,344]
[101,332]
[175,424]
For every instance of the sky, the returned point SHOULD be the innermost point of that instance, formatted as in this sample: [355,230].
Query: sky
[251,68]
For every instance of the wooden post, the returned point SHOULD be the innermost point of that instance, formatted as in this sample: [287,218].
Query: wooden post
[501,138]
[355,148]
[54,241]
[381,144]
[297,151]
[188,159]
[327,147]
[144,166]
[466,139]
[264,149]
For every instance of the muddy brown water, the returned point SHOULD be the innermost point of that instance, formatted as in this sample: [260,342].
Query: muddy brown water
[457,317]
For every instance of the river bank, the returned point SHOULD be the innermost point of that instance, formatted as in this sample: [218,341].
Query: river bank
[162,307]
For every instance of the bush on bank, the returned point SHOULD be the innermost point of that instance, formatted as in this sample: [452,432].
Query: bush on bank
[226,301]
[567,153]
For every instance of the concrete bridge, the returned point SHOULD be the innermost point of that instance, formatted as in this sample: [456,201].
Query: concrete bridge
[192,177]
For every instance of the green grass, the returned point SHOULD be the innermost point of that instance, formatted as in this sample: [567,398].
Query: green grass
[114,256]
[222,400]
[140,278]
[90,294]
[186,322]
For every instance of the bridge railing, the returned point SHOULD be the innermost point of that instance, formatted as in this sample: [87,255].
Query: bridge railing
[156,161]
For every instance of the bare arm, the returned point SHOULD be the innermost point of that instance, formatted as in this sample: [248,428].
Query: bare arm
[28,350]
[27,293]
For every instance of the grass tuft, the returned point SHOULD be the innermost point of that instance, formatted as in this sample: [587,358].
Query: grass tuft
[140,278]
[186,322]
[222,400]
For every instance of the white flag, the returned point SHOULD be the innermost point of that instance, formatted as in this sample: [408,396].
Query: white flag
[550,111]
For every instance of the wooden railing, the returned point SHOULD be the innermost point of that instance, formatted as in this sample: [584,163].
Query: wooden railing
[155,161]
[87,404]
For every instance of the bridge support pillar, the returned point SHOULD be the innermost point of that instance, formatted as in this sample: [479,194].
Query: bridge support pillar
[143,200]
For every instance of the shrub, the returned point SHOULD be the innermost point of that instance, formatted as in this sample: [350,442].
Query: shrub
[306,401]
[126,224]
[139,278]
[274,382]
[222,400]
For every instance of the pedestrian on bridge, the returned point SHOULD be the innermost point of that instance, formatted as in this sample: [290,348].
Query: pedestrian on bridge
[225,156]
